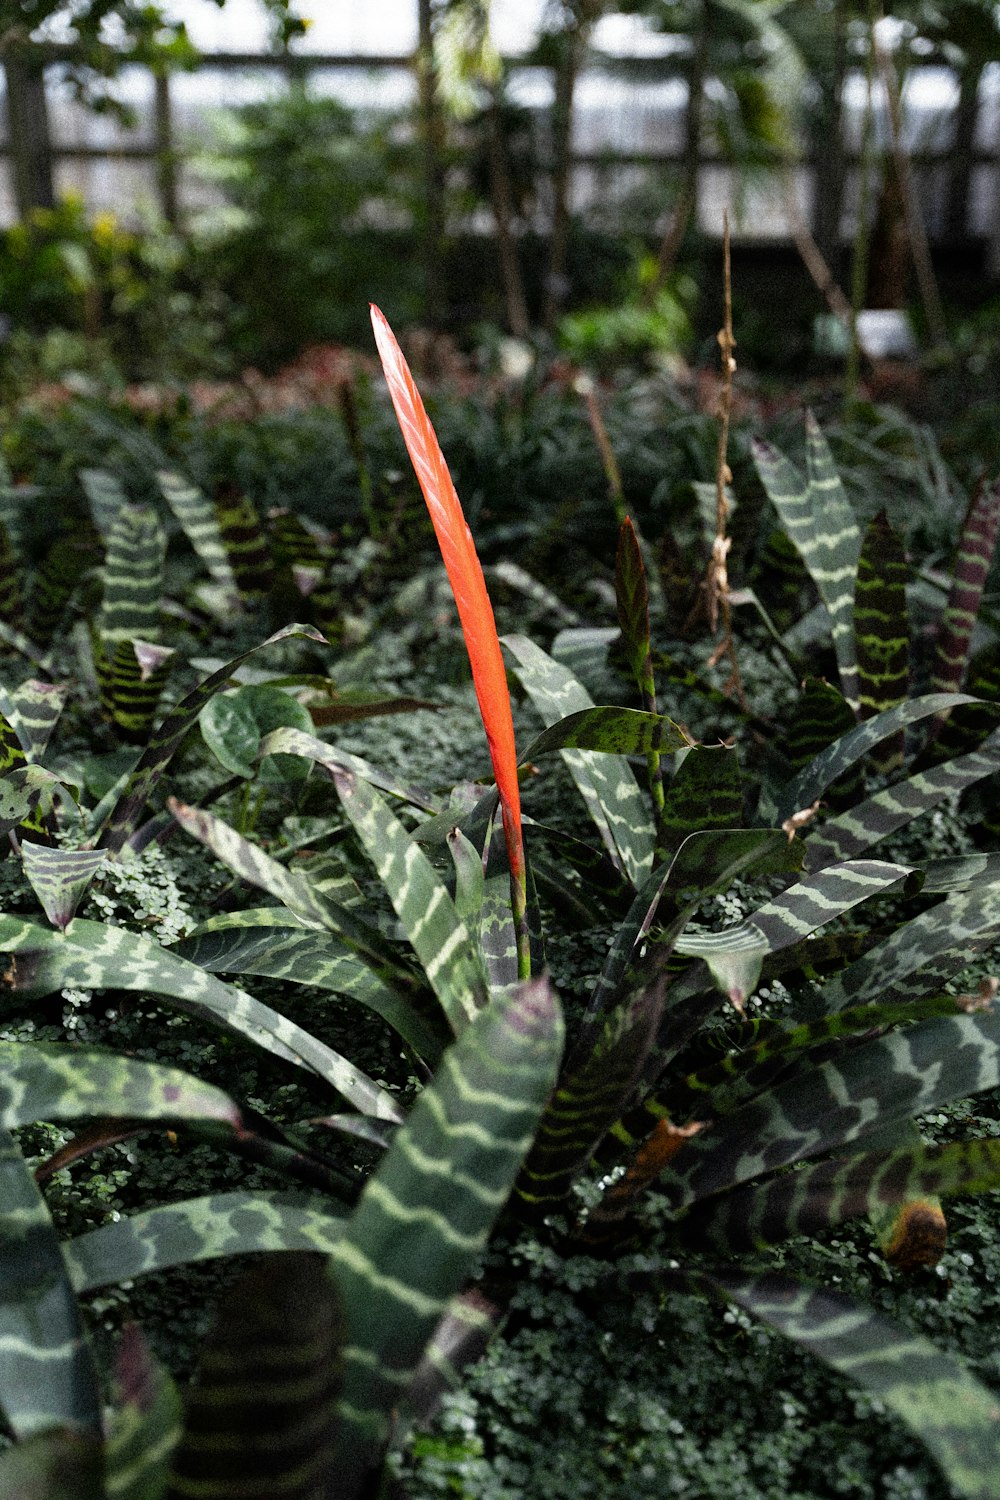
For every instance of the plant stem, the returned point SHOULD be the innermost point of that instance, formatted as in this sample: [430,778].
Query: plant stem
[717,579]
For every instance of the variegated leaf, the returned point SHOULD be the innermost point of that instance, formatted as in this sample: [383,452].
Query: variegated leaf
[200,524]
[881,628]
[167,738]
[420,899]
[197,1229]
[261,1415]
[92,955]
[852,832]
[424,1217]
[272,948]
[47,1373]
[972,563]
[608,786]
[59,877]
[952,1414]
[133,578]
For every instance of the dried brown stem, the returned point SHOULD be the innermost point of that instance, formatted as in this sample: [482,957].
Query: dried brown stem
[717,577]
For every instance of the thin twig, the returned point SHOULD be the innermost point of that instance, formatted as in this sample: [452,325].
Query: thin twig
[717,578]
[612,473]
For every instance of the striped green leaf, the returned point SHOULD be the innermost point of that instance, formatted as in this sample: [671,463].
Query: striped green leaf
[198,1229]
[852,832]
[53,1081]
[706,792]
[972,563]
[32,710]
[164,743]
[200,524]
[105,498]
[275,950]
[734,956]
[420,899]
[74,551]
[610,731]
[47,1374]
[888,1079]
[20,791]
[820,716]
[819,520]
[882,630]
[950,1412]
[91,955]
[588,1099]
[824,1194]
[132,676]
[261,1415]
[133,578]
[810,784]
[59,877]
[144,1423]
[776,1049]
[424,1217]
[294,888]
[246,545]
[331,757]
[607,785]
[924,953]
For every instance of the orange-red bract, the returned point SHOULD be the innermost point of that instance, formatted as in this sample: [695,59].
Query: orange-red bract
[466,578]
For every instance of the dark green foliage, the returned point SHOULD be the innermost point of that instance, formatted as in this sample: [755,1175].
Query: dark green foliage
[882,631]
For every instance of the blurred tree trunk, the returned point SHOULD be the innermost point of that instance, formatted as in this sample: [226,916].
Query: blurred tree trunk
[503,213]
[966,116]
[571,47]
[28,123]
[432,151]
[828,145]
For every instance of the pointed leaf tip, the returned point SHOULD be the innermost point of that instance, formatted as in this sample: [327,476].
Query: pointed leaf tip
[465,576]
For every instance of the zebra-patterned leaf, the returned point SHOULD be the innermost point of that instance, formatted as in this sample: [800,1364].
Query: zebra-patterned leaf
[144,1424]
[74,551]
[293,742]
[53,1081]
[735,955]
[706,793]
[824,1194]
[200,524]
[460,1338]
[610,731]
[47,1374]
[32,711]
[261,1416]
[167,738]
[197,1229]
[276,950]
[819,520]
[105,499]
[424,1217]
[822,1109]
[588,1099]
[133,577]
[956,1418]
[608,786]
[776,1049]
[921,955]
[881,630]
[93,955]
[959,873]
[59,877]
[810,784]
[972,563]
[420,899]
[246,545]
[819,716]
[132,676]
[292,887]
[852,832]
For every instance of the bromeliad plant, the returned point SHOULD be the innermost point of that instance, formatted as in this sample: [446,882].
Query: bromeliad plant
[832,1093]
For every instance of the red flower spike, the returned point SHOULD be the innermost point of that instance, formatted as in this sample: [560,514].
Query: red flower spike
[465,575]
